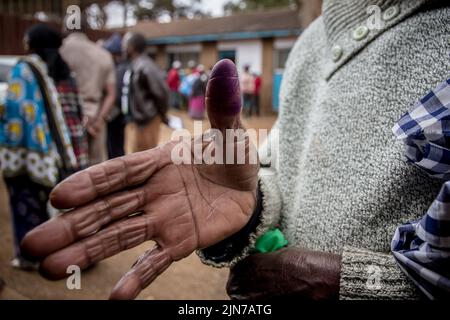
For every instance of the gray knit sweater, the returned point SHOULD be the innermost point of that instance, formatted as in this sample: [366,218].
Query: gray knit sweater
[339,182]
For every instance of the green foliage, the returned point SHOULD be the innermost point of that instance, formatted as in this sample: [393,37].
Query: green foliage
[154,9]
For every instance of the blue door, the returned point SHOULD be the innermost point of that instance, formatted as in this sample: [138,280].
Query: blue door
[277,77]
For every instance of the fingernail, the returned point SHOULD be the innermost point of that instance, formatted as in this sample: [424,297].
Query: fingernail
[223,92]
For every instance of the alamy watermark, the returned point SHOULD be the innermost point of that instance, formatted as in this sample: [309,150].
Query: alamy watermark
[374,277]
[73,281]
[233,146]
[73,18]
[374,21]
[378,18]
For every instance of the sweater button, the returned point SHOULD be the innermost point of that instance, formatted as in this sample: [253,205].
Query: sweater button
[360,33]
[391,13]
[336,52]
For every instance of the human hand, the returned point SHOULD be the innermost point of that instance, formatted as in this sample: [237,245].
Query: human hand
[289,272]
[181,207]
[94,126]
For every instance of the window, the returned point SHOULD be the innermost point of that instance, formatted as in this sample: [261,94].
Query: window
[227,54]
[281,56]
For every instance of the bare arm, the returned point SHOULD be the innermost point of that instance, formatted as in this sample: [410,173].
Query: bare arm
[108,101]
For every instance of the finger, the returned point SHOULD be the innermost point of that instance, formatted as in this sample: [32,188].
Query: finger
[107,242]
[107,177]
[223,96]
[82,222]
[145,270]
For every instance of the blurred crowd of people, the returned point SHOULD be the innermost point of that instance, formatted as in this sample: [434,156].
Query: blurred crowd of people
[68,103]
[251,88]
[188,86]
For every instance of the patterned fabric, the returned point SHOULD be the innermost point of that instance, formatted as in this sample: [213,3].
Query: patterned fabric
[26,144]
[422,247]
[186,84]
[197,107]
[70,103]
[426,132]
[28,201]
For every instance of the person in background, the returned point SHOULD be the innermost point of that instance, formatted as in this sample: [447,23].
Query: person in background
[248,90]
[148,95]
[117,120]
[173,81]
[36,149]
[46,42]
[96,78]
[197,98]
[187,81]
[256,100]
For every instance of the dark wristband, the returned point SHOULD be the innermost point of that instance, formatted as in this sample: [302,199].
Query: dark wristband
[228,248]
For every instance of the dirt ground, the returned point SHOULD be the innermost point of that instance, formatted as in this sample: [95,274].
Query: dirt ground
[186,279]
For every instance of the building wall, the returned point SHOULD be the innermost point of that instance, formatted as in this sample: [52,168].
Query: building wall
[160,56]
[285,43]
[209,54]
[13,28]
[267,75]
[282,48]
[263,56]
[248,52]
[184,48]
[184,53]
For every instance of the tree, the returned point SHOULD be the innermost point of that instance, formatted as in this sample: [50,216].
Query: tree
[96,16]
[155,9]
[251,5]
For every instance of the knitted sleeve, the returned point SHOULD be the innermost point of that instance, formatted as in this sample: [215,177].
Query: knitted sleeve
[373,275]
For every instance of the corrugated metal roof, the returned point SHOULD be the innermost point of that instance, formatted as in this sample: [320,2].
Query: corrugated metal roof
[261,22]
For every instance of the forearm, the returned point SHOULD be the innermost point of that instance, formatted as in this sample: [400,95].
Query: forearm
[313,275]
[291,272]
[108,102]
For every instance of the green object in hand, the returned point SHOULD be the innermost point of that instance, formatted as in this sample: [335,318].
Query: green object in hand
[270,241]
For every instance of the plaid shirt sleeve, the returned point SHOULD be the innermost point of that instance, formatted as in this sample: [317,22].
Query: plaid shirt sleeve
[70,103]
[422,247]
[425,129]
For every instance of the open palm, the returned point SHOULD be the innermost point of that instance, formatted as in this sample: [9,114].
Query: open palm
[124,202]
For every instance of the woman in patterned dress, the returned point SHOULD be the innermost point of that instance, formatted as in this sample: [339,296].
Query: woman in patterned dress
[42,139]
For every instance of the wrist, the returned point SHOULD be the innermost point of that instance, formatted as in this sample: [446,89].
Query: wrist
[231,246]
[334,276]
[325,270]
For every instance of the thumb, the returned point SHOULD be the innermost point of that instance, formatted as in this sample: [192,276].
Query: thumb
[239,167]
[223,96]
